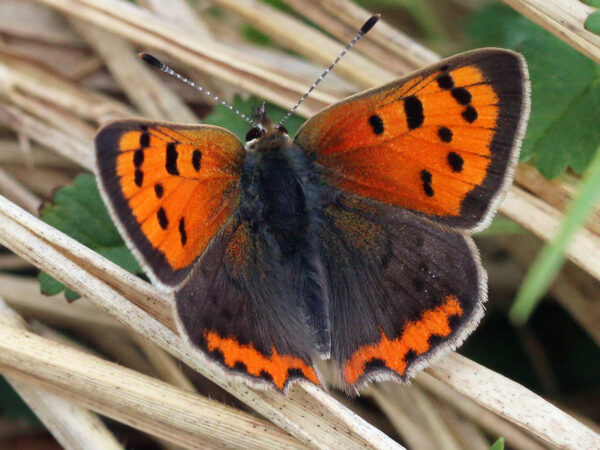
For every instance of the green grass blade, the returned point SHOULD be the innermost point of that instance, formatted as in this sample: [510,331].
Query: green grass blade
[551,257]
[498,445]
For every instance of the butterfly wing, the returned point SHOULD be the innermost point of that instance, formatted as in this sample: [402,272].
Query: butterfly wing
[401,291]
[170,188]
[442,142]
[239,306]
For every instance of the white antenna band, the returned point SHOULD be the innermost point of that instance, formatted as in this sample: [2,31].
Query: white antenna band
[155,62]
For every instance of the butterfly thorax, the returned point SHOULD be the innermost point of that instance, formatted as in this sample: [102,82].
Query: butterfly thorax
[274,186]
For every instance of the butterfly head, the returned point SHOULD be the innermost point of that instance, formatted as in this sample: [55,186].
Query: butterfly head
[265,133]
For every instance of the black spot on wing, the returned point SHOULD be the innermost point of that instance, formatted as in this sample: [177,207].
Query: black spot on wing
[377,124]
[461,95]
[138,158]
[265,375]
[139,178]
[375,364]
[196,159]
[456,161]
[172,155]
[445,81]
[144,140]
[240,367]
[470,114]
[414,112]
[426,178]
[445,134]
[159,190]
[182,232]
[161,215]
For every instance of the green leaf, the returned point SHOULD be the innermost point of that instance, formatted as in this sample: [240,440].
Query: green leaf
[255,36]
[592,23]
[595,3]
[498,445]
[502,226]
[225,118]
[79,212]
[551,257]
[565,87]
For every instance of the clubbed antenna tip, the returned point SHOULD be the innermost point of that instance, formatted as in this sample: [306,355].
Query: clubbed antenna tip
[363,30]
[370,23]
[149,59]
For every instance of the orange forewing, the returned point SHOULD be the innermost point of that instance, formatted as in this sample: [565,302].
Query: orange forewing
[425,142]
[171,186]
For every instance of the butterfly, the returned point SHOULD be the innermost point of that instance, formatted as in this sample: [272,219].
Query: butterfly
[350,242]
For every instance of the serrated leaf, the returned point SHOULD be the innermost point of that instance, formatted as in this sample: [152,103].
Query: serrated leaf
[225,118]
[498,445]
[79,212]
[563,130]
[592,23]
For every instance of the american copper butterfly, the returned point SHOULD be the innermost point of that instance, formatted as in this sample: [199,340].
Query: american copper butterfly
[349,242]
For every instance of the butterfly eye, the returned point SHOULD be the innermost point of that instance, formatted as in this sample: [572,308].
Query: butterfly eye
[253,133]
[282,129]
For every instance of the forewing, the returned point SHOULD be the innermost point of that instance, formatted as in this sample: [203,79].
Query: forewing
[170,188]
[442,141]
[401,291]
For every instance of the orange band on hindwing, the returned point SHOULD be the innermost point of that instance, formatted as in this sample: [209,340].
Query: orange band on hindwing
[414,337]
[275,366]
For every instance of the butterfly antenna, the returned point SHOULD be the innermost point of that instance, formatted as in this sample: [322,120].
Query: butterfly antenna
[363,30]
[155,62]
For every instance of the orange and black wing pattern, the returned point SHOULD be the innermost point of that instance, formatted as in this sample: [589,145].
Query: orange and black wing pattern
[401,292]
[241,307]
[442,142]
[170,187]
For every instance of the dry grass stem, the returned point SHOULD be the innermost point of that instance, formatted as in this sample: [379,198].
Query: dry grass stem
[15,191]
[307,41]
[492,423]
[467,433]
[315,12]
[11,152]
[543,220]
[165,366]
[215,59]
[71,425]
[140,82]
[23,294]
[22,79]
[28,20]
[43,181]
[414,416]
[386,36]
[554,192]
[513,402]
[138,400]
[565,19]
[13,262]
[38,131]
